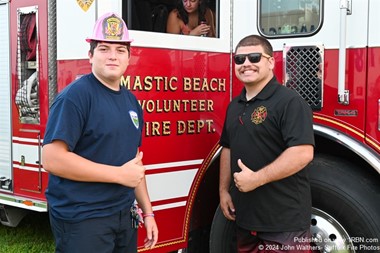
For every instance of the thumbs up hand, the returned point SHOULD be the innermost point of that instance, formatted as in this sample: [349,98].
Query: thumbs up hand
[246,180]
[132,172]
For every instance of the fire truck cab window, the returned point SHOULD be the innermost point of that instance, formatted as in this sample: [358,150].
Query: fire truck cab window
[152,15]
[289,17]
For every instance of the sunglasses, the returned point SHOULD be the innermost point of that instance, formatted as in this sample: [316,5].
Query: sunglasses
[252,57]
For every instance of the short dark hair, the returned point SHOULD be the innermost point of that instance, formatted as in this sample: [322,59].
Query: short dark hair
[256,40]
[94,44]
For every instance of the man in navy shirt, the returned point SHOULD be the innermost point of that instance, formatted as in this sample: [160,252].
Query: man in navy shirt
[91,151]
[267,142]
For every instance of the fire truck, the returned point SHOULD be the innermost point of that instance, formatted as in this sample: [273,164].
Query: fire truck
[327,51]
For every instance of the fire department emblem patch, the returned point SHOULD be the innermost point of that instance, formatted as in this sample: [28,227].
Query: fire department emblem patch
[134,118]
[113,28]
[85,4]
[259,115]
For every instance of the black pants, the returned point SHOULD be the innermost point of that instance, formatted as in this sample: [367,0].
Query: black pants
[112,234]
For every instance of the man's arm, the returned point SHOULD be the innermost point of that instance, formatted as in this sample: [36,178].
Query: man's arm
[226,203]
[292,160]
[144,203]
[58,160]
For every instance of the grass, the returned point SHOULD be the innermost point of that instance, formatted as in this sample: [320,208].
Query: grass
[32,235]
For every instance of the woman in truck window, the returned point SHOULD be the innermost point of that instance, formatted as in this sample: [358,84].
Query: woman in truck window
[191,17]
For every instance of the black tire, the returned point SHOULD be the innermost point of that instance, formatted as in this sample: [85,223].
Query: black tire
[351,196]
[342,192]
[223,234]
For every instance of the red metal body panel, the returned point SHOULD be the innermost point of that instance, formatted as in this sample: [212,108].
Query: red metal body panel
[26,183]
[372,95]
[356,83]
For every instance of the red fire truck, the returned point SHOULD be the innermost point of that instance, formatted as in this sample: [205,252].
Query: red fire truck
[328,51]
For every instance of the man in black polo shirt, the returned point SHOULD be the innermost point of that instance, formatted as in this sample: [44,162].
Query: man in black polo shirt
[267,141]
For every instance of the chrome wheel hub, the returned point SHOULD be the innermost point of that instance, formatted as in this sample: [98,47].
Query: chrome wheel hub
[328,235]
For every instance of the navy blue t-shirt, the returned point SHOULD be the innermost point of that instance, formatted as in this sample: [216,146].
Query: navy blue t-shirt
[99,124]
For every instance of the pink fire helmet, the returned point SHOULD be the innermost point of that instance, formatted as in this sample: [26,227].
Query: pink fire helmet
[110,28]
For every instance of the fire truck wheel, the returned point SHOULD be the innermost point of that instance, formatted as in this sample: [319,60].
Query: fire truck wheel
[222,234]
[346,205]
[345,212]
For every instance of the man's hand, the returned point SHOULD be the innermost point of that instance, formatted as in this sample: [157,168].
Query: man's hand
[246,180]
[227,206]
[151,232]
[132,172]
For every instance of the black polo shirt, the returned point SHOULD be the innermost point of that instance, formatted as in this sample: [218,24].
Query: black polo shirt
[257,132]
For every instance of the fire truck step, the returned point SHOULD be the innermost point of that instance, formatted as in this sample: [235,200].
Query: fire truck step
[11,216]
